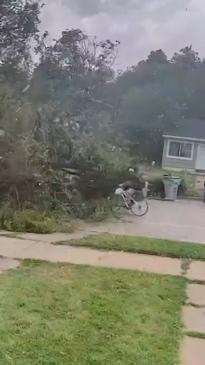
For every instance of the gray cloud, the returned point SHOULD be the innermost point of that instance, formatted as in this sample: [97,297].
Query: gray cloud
[84,8]
[92,7]
[140,25]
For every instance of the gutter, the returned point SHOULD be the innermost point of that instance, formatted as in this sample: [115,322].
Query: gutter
[184,138]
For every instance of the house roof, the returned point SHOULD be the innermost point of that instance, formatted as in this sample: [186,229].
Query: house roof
[189,128]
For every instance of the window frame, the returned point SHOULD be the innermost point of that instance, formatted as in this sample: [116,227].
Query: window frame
[180,157]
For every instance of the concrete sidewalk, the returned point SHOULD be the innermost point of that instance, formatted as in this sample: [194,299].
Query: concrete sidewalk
[27,249]
[15,248]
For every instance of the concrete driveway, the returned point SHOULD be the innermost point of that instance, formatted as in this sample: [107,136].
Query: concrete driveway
[183,220]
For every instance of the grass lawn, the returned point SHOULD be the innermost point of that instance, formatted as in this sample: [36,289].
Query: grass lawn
[152,246]
[52,314]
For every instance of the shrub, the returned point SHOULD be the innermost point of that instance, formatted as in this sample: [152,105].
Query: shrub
[156,187]
[63,222]
[6,215]
[26,221]
[103,209]
[186,187]
[65,227]
[182,188]
[101,168]
[96,210]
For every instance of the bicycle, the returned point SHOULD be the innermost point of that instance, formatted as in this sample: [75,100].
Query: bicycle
[136,203]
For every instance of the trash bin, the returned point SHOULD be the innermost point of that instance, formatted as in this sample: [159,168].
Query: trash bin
[171,185]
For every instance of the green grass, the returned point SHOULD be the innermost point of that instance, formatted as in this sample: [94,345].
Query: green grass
[196,335]
[52,314]
[144,245]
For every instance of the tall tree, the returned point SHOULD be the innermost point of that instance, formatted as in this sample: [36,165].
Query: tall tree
[19,22]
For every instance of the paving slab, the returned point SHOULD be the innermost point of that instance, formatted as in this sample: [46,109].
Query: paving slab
[7,264]
[12,247]
[147,263]
[193,351]
[26,249]
[196,294]
[194,319]
[196,271]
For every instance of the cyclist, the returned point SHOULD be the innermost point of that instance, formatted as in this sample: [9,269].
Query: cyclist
[135,188]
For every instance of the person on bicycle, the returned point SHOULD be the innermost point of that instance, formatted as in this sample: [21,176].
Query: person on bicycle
[135,187]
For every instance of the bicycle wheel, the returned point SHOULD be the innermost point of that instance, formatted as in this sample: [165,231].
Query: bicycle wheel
[140,208]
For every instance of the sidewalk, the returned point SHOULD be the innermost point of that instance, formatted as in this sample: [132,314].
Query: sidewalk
[37,250]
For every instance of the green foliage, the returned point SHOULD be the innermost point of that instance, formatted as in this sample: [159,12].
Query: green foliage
[143,245]
[101,168]
[188,184]
[93,209]
[19,22]
[64,222]
[65,226]
[186,187]
[26,221]
[196,334]
[147,113]
[6,215]
[153,95]
[156,187]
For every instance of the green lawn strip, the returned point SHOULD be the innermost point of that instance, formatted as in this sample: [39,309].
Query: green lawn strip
[196,335]
[151,246]
[53,314]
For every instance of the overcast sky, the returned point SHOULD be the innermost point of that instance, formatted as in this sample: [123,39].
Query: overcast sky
[140,25]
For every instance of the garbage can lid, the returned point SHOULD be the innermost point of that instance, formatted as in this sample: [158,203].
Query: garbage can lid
[172,179]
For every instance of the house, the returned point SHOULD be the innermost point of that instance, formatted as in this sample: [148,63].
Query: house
[184,149]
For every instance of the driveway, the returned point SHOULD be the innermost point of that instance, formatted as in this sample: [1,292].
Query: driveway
[183,220]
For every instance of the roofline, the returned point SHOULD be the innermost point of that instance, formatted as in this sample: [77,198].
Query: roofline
[185,138]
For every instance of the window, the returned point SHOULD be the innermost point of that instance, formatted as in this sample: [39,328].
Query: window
[180,149]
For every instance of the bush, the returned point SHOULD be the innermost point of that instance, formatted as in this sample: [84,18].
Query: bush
[156,187]
[63,222]
[26,221]
[96,210]
[186,187]
[182,188]
[101,168]
[6,215]
[65,227]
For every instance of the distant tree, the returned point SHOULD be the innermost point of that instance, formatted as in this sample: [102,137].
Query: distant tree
[157,57]
[187,57]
